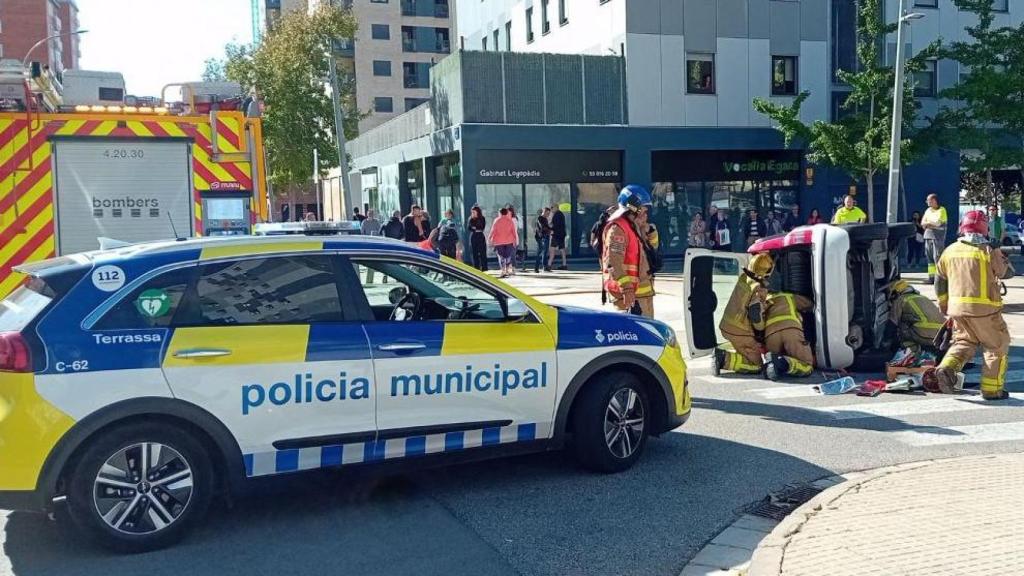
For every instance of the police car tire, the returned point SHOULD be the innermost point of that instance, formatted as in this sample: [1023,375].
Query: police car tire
[589,445]
[83,511]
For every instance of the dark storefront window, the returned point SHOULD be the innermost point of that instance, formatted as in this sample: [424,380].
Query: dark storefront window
[731,183]
[449,187]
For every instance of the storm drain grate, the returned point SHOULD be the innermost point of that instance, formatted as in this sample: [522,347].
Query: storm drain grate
[777,505]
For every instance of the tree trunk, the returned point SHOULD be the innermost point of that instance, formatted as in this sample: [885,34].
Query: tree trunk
[871,196]
[989,189]
[871,168]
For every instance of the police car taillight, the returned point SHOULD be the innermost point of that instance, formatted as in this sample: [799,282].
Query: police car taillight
[14,353]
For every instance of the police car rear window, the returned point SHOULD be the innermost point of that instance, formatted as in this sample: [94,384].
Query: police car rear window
[21,307]
[276,290]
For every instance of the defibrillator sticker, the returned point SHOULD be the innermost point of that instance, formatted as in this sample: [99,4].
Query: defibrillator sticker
[153,303]
[108,278]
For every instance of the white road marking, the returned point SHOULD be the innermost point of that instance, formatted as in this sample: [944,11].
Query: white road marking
[1003,432]
[928,405]
[782,392]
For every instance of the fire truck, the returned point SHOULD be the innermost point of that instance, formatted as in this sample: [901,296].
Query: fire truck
[73,173]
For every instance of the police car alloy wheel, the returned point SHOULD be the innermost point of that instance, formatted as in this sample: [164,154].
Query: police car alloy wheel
[140,487]
[610,427]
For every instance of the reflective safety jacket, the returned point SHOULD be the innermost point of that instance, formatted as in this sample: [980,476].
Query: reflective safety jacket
[967,280]
[748,294]
[785,312]
[624,261]
[917,314]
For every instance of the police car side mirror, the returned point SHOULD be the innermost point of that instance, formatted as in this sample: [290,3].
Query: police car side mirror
[515,309]
[396,294]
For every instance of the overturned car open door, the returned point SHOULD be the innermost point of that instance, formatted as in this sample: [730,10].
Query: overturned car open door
[709,278]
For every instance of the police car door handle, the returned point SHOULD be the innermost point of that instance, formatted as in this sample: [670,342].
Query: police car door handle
[201,353]
[402,347]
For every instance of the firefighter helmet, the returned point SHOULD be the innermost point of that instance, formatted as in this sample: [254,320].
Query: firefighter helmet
[902,287]
[633,197]
[974,222]
[761,265]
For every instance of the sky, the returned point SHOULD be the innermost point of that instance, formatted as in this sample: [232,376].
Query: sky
[153,43]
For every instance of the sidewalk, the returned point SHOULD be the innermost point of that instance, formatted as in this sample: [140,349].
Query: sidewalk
[962,516]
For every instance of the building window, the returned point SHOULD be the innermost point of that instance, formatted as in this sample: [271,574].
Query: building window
[563,18]
[927,3]
[111,94]
[529,25]
[545,25]
[382,68]
[1001,5]
[408,7]
[416,74]
[483,43]
[411,103]
[508,36]
[784,75]
[924,80]
[383,104]
[378,1]
[497,38]
[442,42]
[441,9]
[700,73]
[380,31]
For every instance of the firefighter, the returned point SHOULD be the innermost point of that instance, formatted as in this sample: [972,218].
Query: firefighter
[744,315]
[968,285]
[789,354]
[917,319]
[627,273]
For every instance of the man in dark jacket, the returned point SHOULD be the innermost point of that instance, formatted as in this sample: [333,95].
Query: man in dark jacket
[415,228]
[394,227]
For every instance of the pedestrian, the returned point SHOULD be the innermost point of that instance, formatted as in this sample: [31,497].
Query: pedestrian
[915,244]
[744,314]
[504,238]
[721,237]
[789,354]
[357,216]
[934,223]
[542,234]
[558,235]
[446,236]
[967,283]
[849,213]
[792,219]
[772,224]
[394,228]
[996,226]
[521,247]
[815,218]
[626,271]
[752,227]
[477,240]
[697,237]
[412,225]
[370,225]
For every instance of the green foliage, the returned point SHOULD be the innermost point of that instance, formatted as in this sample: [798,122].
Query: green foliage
[289,72]
[987,121]
[858,142]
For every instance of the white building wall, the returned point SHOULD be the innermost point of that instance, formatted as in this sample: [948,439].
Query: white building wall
[591,27]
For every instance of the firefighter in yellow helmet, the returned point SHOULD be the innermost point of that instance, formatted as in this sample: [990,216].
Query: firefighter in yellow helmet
[917,319]
[968,287]
[789,354]
[743,315]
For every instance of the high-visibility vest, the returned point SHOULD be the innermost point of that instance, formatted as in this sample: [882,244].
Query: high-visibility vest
[784,312]
[849,216]
[921,315]
[967,283]
[633,259]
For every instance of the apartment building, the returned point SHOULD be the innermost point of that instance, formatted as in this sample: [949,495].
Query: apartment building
[25,22]
[531,117]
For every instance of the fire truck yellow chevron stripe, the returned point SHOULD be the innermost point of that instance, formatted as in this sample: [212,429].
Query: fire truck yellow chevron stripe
[105,127]
[70,128]
[19,240]
[27,199]
[173,129]
[44,250]
[214,169]
[138,128]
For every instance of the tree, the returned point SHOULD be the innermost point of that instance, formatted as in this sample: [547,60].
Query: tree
[984,114]
[288,71]
[858,141]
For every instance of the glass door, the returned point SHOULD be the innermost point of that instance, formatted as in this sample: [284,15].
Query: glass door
[540,196]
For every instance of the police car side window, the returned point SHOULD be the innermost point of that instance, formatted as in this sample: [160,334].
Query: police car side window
[273,290]
[443,293]
[151,305]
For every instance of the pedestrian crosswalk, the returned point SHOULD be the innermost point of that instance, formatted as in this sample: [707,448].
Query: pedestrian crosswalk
[911,419]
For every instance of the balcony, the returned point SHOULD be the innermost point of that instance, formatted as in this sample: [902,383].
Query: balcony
[437,9]
[408,8]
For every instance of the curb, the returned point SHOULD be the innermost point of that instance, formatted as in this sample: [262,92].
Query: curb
[731,551]
[767,558]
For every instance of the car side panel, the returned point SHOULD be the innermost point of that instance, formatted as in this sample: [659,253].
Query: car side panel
[30,426]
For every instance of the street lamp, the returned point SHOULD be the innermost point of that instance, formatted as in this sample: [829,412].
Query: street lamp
[24,61]
[897,115]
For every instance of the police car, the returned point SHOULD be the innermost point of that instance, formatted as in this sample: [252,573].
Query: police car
[138,383]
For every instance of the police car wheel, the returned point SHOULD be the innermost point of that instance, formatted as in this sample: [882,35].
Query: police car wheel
[610,425]
[140,487]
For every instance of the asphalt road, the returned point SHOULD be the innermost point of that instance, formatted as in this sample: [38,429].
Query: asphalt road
[540,515]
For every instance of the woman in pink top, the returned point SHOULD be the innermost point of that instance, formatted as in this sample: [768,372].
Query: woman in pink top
[504,238]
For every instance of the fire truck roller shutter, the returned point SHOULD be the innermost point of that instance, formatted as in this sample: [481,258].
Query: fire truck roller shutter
[129,190]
